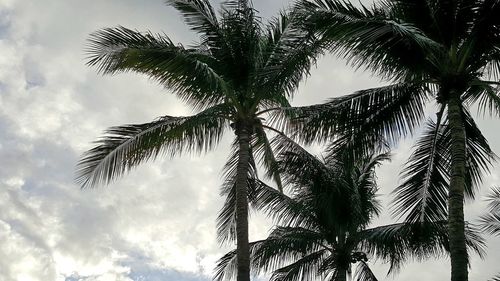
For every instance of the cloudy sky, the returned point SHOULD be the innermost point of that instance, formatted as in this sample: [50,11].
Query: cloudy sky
[156,223]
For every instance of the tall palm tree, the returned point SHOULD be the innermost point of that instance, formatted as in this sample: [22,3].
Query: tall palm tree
[323,228]
[441,51]
[490,221]
[238,71]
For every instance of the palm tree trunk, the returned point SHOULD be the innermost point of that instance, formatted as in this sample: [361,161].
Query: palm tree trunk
[456,226]
[341,275]
[344,264]
[242,247]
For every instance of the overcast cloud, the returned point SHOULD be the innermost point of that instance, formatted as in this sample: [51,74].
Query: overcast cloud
[158,222]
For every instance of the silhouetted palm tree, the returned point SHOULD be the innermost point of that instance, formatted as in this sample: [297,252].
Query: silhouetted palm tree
[323,228]
[237,72]
[430,50]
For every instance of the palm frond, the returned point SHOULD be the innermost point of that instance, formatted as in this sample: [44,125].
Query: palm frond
[364,273]
[388,40]
[283,245]
[480,156]
[201,17]
[269,102]
[289,54]
[492,67]
[354,146]
[321,188]
[189,73]
[384,113]
[401,242]
[243,34]
[474,241]
[367,175]
[329,189]
[286,244]
[489,100]
[125,147]
[423,195]
[494,199]
[227,267]
[482,38]
[305,268]
[366,186]
[226,219]
[301,169]
[397,243]
[265,153]
[242,6]
[296,164]
[496,278]
[283,209]
[359,186]
[490,222]
[371,38]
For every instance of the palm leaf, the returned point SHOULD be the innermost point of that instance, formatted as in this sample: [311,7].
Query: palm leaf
[243,33]
[492,67]
[305,268]
[125,147]
[398,243]
[384,113]
[265,153]
[189,73]
[480,157]
[364,273]
[474,241]
[488,98]
[372,38]
[423,196]
[366,187]
[282,245]
[490,222]
[289,53]
[299,169]
[285,244]
[327,190]
[226,220]
[227,267]
[366,177]
[496,278]
[283,209]
[200,16]
[320,187]
[482,40]
[494,199]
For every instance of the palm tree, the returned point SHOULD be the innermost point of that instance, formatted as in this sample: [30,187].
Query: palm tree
[490,221]
[323,228]
[443,51]
[238,71]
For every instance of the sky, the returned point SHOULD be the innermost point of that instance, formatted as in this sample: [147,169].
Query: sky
[158,221]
